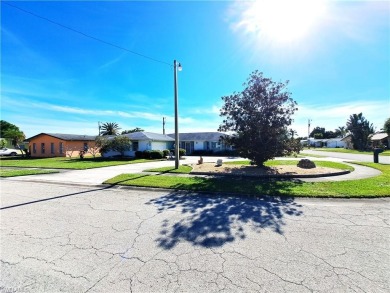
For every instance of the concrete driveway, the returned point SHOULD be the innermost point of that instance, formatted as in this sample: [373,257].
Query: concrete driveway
[61,238]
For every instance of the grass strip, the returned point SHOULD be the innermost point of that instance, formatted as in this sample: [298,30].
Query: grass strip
[272,163]
[17,172]
[349,151]
[378,186]
[182,169]
[66,163]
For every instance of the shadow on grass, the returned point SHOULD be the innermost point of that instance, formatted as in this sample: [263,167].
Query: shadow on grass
[215,220]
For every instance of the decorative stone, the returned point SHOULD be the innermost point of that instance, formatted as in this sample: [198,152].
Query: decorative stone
[306,164]
[219,162]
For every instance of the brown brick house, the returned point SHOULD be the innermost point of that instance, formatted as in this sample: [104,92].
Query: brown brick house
[58,144]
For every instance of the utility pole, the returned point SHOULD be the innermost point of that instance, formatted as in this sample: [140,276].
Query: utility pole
[308,132]
[164,119]
[99,127]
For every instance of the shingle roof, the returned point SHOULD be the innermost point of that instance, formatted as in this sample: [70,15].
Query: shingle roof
[379,136]
[148,136]
[206,136]
[68,137]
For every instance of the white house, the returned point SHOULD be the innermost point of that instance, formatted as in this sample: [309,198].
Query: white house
[337,142]
[142,141]
[201,141]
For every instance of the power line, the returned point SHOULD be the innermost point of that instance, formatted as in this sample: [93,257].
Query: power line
[86,35]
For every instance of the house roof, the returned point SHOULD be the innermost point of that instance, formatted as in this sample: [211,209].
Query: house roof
[192,136]
[379,136]
[148,136]
[68,137]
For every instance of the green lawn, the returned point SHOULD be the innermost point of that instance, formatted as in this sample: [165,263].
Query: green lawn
[378,186]
[66,163]
[5,172]
[182,169]
[342,150]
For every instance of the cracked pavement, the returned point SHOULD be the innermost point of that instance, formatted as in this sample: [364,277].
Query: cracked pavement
[64,238]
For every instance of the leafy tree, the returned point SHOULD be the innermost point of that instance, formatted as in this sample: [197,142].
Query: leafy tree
[6,126]
[110,128]
[16,137]
[318,135]
[121,144]
[319,130]
[258,117]
[360,129]
[386,126]
[3,143]
[137,129]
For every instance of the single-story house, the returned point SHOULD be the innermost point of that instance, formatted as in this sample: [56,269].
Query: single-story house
[380,139]
[142,141]
[58,144]
[208,141]
[337,142]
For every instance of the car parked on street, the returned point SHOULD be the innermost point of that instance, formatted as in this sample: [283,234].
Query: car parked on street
[8,152]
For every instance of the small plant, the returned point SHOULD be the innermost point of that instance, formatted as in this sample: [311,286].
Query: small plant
[156,154]
[166,153]
[182,152]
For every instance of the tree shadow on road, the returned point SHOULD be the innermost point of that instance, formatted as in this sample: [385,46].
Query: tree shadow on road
[214,220]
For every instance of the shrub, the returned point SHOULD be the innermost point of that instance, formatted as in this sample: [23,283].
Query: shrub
[156,154]
[182,152]
[306,164]
[146,154]
[138,154]
[166,153]
[202,153]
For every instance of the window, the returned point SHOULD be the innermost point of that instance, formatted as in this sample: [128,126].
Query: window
[135,145]
[61,148]
[42,147]
[85,146]
[52,148]
[34,148]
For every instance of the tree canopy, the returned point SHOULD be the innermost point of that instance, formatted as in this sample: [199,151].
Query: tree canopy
[6,126]
[137,129]
[259,117]
[386,126]
[360,129]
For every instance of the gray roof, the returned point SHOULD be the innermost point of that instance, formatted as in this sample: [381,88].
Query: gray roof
[379,136]
[206,136]
[148,136]
[68,137]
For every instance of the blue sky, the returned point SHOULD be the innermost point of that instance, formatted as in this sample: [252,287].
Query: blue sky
[334,53]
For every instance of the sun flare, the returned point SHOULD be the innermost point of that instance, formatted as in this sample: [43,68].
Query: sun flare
[281,20]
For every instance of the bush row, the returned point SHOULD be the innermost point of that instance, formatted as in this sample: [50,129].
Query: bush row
[157,154]
[227,153]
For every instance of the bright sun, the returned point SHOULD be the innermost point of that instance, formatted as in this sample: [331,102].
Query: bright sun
[282,21]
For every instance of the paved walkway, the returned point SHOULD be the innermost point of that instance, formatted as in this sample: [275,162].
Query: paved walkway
[95,177]
[349,157]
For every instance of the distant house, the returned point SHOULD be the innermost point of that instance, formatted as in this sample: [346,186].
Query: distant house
[196,141]
[337,142]
[380,139]
[142,141]
[58,144]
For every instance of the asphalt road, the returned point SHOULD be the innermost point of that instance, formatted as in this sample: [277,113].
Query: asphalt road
[64,238]
[350,157]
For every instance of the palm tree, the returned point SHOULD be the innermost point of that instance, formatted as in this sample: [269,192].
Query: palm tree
[110,128]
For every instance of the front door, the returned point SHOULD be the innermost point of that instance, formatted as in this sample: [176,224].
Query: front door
[189,147]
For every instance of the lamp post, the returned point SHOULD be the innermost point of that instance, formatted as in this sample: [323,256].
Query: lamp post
[176,67]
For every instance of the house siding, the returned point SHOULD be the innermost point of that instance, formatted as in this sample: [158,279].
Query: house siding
[49,146]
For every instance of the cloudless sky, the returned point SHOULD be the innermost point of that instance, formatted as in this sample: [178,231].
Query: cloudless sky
[335,54]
